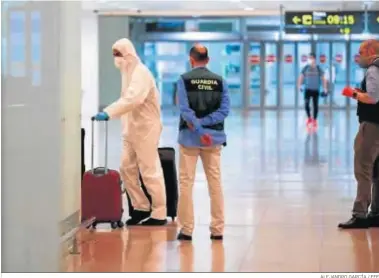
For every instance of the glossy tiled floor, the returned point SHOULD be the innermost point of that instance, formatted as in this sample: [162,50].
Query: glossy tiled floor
[285,188]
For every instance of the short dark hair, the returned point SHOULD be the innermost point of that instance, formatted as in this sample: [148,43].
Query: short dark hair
[199,56]
[312,54]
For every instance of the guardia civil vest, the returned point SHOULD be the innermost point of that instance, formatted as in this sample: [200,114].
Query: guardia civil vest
[204,91]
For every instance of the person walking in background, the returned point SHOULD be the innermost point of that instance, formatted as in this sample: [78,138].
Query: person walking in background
[366,144]
[313,77]
[204,104]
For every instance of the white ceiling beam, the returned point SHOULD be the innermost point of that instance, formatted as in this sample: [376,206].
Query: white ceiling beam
[185,13]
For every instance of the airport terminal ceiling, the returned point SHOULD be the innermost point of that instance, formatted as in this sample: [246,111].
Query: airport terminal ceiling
[236,6]
[259,61]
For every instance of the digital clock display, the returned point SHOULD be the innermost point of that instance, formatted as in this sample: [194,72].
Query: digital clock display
[373,22]
[324,22]
[321,18]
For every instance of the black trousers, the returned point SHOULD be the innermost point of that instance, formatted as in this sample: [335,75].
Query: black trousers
[314,96]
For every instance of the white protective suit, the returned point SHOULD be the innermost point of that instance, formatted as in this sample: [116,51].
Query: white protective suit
[139,110]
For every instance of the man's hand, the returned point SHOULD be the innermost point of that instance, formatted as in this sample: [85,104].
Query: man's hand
[361,96]
[190,126]
[206,140]
[348,92]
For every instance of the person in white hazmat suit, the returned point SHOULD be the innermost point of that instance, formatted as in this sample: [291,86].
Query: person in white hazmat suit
[139,110]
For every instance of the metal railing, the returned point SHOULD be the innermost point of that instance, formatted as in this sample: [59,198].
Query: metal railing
[71,235]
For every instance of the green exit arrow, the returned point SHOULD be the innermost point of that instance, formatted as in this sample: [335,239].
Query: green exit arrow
[296,19]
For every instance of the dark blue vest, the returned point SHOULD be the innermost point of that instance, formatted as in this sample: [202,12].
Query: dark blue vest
[204,91]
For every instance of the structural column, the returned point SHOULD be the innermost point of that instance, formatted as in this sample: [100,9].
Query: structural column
[41,101]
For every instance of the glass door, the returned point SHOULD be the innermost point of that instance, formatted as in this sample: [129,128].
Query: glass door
[332,59]
[289,75]
[338,74]
[295,58]
[167,61]
[271,74]
[323,62]
[225,59]
[302,53]
[255,74]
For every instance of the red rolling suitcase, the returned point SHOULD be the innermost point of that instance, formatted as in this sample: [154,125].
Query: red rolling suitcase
[101,191]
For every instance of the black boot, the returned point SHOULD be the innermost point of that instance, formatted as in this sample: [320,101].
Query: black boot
[373,221]
[219,237]
[137,217]
[355,223]
[182,236]
[154,222]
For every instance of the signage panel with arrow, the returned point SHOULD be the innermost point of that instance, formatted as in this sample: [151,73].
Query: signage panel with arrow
[312,22]
[373,22]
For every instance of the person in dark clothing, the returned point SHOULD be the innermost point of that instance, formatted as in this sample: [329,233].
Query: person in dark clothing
[312,76]
[366,145]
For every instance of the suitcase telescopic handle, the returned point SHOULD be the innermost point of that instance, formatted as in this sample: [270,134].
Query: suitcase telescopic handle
[93,146]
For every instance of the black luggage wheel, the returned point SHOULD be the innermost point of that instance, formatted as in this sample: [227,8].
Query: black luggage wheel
[114,225]
[118,224]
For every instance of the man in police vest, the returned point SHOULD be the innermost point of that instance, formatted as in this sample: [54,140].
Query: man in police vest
[204,105]
[366,145]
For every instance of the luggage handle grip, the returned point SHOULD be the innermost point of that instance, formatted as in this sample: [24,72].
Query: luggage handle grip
[93,146]
[99,171]
[93,119]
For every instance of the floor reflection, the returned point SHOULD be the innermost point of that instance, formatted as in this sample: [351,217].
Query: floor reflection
[286,188]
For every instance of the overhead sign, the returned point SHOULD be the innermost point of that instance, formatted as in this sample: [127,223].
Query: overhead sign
[165,27]
[373,22]
[212,26]
[324,22]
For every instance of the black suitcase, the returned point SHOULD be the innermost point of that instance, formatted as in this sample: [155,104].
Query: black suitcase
[167,157]
[82,151]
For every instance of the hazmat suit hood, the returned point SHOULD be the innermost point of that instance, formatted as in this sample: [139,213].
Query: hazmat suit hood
[126,60]
[128,56]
